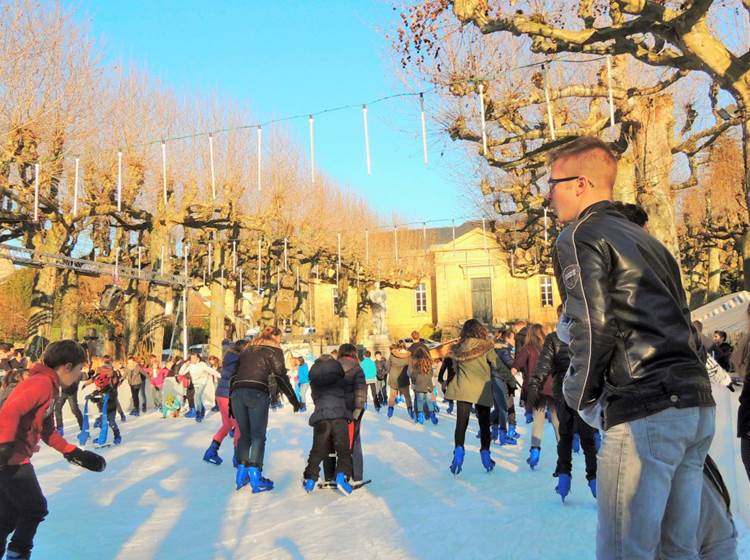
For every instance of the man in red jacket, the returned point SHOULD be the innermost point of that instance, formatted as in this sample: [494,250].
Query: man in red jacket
[25,418]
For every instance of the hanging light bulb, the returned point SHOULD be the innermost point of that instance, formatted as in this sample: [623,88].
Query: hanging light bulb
[424,127]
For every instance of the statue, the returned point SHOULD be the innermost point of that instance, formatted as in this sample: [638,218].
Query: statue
[377,298]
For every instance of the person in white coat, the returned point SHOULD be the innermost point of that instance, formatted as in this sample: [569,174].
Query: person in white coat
[200,373]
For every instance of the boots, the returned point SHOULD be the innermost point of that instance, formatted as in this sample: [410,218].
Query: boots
[390,411]
[533,459]
[512,433]
[242,477]
[190,413]
[458,460]
[257,482]
[450,408]
[433,418]
[504,439]
[411,412]
[592,486]
[493,432]
[563,486]
[420,417]
[487,461]
[309,485]
[118,438]
[212,453]
[343,485]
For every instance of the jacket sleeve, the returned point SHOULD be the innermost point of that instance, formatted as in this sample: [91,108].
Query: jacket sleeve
[584,266]
[278,370]
[542,371]
[360,390]
[21,401]
[521,361]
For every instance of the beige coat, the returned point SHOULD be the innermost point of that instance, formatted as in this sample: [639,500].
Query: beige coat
[473,359]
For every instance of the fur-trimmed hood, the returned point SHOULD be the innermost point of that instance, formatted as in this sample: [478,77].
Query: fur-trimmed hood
[402,353]
[470,349]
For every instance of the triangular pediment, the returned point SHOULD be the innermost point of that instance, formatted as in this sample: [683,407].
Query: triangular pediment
[472,239]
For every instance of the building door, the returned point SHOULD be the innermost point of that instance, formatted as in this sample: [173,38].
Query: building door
[481,300]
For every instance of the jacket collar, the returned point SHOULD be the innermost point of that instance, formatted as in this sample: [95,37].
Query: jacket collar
[601,205]
[470,348]
[40,369]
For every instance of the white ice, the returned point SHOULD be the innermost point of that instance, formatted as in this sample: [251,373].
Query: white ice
[158,499]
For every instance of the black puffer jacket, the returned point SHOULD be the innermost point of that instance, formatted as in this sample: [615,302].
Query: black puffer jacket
[632,340]
[356,386]
[328,388]
[262,367]
[743,414]
[547,378]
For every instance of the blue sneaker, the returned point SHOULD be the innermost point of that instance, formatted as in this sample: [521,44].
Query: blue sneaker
[533,459]
[592,486]
[190,413]
[117,439]
[576,443]
[487,461]
[257,482]
[512,433]
[563,486]
[390,411]
[450,408]
[343,485]
[212,454]
[420,418]
[529,417]
[308,484]
[458,460]
[242,478]
[434,418]
[504,439]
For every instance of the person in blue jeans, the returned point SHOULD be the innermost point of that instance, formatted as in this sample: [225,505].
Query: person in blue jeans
[260,373]
[303,382]
[635,364]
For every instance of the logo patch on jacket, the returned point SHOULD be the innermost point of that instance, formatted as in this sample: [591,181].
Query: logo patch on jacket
[570,275]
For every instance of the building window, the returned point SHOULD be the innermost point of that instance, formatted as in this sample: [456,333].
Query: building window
[335,294]
[421,297]
[545,286]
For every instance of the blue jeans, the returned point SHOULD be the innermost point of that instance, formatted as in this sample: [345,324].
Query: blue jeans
[500,411]
[250,409]
[303,388]
[423,401]
[650,477]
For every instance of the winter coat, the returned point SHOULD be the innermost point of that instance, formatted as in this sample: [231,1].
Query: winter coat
[303,374]
[328,388]
[502,372]
[743,414]
[446,372]
[398,363]
[356,386]
[200,372]
[504,352]
[133,375]
[525,361]
[262,367]
[26,417]
[722,353]
[547,378]
[521,339]
[156,376]
[421,382]
[382,369]
[370,369]
[473,359]
[228,369]
[741,356]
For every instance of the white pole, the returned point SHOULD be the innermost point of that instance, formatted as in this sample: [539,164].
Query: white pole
[211,161]
[36,192]
[482,116]
[259,262]
[609,88]
[75,188]
[311,121]
[164,170]
[139,261]
[119,180]
[210,263]
[234,256]
[367,140]
[424,127]
[550,117]
[184,306]
[260,152]
[241,283]
[546,235]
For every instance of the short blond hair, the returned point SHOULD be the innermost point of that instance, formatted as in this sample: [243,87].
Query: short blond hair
[583,145]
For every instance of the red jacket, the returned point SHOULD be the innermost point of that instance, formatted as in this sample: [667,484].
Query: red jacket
[26,417]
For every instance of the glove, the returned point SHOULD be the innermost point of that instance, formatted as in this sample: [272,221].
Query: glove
[731,386]
[86,459]
[357,414]
[6,452]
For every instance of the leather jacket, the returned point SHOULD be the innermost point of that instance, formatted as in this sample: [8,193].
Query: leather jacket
[262,367]
[632,342]
[553,361]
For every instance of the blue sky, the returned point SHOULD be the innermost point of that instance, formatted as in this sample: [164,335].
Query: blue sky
[290,58]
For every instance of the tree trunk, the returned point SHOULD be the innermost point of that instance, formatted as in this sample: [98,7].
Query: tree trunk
[69,306]
[152,332]
[714,273]
[44,285]
[363,315]
[216,317]
[652,123]
[132,317]
[342,308]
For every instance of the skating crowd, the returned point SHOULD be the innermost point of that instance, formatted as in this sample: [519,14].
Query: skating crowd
[638,405]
